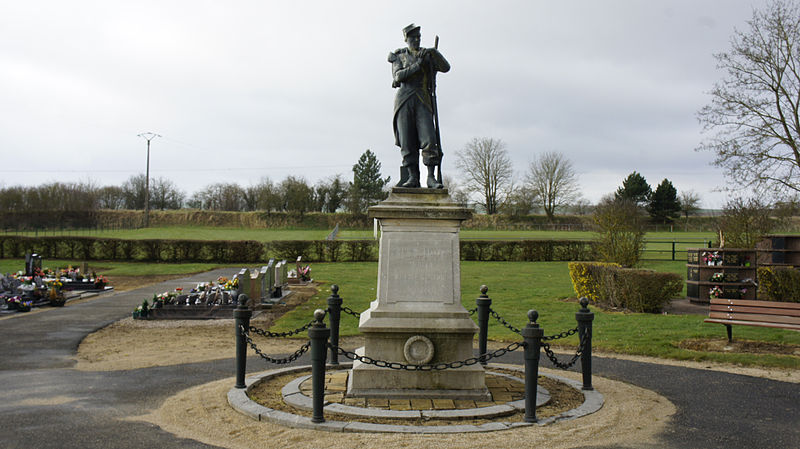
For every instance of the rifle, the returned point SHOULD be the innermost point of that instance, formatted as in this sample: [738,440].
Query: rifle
[436,118]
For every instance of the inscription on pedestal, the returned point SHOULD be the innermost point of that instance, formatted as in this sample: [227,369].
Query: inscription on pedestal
[419,270]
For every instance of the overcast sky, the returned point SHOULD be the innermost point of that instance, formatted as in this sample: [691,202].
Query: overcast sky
[241,90]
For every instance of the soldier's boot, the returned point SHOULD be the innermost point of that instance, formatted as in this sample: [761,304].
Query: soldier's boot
[432,182]
[413,177]
[403,176]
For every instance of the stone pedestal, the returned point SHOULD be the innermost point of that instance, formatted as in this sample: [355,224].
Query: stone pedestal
[417,317]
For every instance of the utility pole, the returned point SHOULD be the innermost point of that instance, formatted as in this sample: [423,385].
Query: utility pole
[148,136]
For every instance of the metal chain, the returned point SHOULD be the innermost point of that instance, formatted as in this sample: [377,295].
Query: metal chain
[564,334]
[350,311]
[428,367]
[568,365]
[268,334]
[472,311]
[303,349]
[504,322]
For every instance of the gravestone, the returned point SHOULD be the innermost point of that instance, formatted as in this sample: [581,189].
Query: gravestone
[244,281]
[265,287]
[278,284]
[270,279]
[32,262]
[417,317]
[255,286]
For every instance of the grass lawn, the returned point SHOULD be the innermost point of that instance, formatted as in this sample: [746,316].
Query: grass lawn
[516,287]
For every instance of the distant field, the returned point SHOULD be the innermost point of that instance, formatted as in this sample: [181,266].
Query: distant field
[199,233]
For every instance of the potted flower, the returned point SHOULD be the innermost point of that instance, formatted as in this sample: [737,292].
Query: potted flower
[13,303]
[54,293]
[25,306]
[715,292]
[717,277]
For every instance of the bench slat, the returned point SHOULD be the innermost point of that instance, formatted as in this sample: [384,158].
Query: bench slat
[759,310]
[752,323]
[755,317]
[749,302]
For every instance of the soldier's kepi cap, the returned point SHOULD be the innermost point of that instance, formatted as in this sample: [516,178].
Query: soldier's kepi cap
[409,29]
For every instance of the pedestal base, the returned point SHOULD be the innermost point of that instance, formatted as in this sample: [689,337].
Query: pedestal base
[417,318]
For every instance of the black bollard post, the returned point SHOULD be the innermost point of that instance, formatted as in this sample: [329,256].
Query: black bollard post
[241,320]
[532,334]
[484,303]
[585,317]
[335,311]
[318,334]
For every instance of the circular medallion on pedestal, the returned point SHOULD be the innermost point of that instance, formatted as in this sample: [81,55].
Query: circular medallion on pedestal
[418,350]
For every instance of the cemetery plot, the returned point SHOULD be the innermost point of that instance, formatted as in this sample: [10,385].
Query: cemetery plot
[263,287]
[36,286]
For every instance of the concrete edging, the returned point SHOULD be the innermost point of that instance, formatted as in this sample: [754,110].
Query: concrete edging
[238,399]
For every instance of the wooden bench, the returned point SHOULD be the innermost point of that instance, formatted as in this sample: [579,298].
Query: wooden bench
[782,315]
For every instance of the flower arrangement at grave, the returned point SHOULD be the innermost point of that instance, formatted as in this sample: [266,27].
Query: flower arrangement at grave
[304,273]
[712,258]
[715,292]
[100,282]
[232,284]
[25,306]
[13,302]
[26,280]
[717,277]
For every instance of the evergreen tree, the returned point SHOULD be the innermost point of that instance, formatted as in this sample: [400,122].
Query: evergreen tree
[664,205]
[635,188]
[367,186]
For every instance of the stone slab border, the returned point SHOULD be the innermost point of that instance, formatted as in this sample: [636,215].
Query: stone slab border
[238,399]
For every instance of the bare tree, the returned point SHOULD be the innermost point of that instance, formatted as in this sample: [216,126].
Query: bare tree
[487,170]
[690,202]
[553,181]
[754,109]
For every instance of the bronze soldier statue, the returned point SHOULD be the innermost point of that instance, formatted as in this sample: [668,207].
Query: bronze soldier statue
[414,71]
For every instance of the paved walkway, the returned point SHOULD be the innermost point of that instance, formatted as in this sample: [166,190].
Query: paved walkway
[45,403]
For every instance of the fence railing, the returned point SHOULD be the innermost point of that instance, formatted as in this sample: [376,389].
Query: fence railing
[671,249]
[322,338]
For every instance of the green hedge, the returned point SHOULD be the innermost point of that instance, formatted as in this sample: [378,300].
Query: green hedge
[221,251]
[92,248]
[779,284]
[628,288]
[528,250]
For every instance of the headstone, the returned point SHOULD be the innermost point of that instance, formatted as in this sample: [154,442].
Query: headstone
[32,261]
[270,281]
[244,281]
[265,287]
[85,268]
[255,286]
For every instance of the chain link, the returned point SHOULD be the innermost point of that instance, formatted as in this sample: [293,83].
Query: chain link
[472,311]
[428,367]
[268,334]
[564,334]
[303,349]
[350,311]
[504,322]
[568,365]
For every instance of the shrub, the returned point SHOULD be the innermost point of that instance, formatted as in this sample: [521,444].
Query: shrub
[779,284]
[621,226]
[635,290]
[583,281]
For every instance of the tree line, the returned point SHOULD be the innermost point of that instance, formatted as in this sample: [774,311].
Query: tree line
[293,194]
